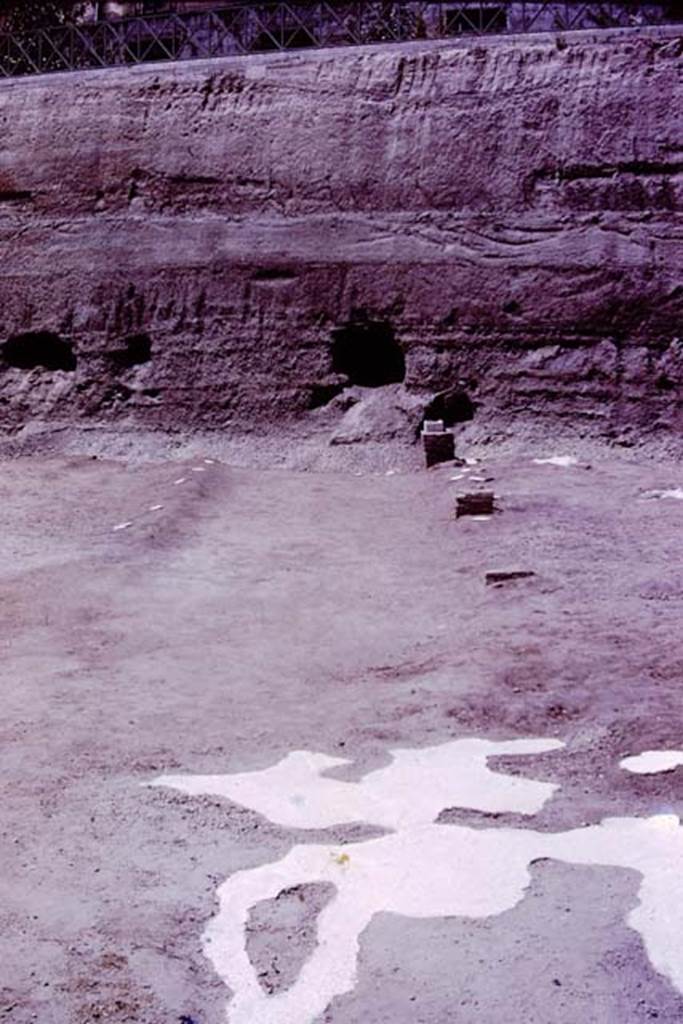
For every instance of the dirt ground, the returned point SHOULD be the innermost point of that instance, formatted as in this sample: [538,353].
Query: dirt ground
[261,611]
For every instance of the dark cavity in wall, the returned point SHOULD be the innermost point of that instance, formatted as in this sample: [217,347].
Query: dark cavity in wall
[322,394]
[137,349]
[11,195]
[453,406]
[39,349]
[368,354]
[275,274]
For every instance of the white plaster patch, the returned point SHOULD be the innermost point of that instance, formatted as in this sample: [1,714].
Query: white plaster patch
[412,790]
[676,493]
[650,762]
[121,526]
[558,460]
[421,869]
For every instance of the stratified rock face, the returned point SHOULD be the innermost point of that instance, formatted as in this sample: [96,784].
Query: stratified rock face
[185,246]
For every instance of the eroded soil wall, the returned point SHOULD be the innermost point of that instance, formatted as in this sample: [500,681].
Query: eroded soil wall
[179,244]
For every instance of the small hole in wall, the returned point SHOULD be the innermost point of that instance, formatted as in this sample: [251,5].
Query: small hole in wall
[275,274]
[136,351]
[454,406]
[15,196]
[368,354]
[35,349]
[513,308]
[117,393]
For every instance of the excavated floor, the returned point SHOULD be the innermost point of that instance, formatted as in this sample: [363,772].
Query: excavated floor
[183,618]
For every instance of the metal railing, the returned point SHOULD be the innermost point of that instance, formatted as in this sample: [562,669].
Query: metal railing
[244,28]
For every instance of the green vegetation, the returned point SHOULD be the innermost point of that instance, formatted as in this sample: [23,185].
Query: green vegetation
[28,14]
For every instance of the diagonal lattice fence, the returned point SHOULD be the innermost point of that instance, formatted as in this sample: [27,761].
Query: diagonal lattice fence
[244,28]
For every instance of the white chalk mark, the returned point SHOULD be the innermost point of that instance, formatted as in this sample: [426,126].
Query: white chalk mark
[421,869]
[676,493]
[210,462]
[650,762]
[198,469]
[180,480]
[121,526]
[458,476]
[558,460]
[480,519]
[155,508]
[471,462]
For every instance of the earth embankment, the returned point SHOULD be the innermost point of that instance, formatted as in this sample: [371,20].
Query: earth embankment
[184,246]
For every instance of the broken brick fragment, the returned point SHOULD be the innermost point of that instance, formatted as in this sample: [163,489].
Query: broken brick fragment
[481,503]
[501,576]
